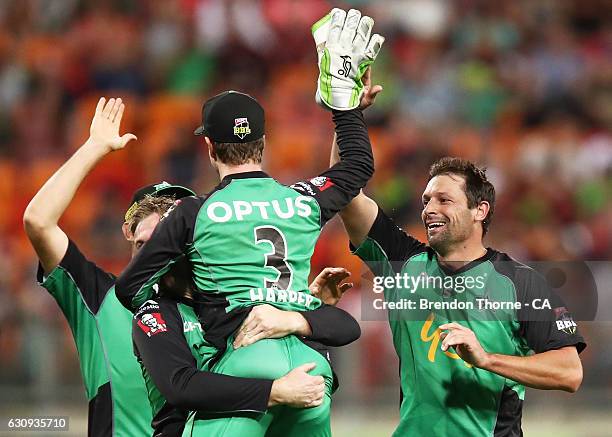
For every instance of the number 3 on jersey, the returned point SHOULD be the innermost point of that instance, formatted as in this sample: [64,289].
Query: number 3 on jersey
[277,259]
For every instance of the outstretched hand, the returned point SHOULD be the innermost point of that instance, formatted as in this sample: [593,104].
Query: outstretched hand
[369,91]
[327,285]
[104,130]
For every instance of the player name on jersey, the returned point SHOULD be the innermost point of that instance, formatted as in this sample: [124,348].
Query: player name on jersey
[287,296]
[284,209]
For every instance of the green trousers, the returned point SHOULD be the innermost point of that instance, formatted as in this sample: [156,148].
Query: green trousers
[269,359]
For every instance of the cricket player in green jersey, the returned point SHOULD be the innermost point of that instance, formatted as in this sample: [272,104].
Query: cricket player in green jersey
[471,326]
[170,345]
[85,293]
[101,326]
[250,240]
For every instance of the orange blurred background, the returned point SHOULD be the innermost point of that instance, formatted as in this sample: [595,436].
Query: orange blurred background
[523,87]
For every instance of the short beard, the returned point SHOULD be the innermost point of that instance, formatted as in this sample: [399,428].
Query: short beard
[444,243]
[441,244]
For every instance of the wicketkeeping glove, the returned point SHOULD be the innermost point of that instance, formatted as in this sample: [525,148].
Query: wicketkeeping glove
[345,50]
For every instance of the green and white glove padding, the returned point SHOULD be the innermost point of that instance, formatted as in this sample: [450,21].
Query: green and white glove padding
[345,50]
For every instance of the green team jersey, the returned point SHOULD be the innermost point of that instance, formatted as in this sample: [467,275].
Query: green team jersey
[240,253]
[177,359]
[188,326]
[250,240]
[101,327]
[441,394]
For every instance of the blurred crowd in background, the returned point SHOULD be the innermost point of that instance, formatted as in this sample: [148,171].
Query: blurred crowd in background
[523,87]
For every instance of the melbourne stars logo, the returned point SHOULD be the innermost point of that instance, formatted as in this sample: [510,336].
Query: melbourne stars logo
[241,127]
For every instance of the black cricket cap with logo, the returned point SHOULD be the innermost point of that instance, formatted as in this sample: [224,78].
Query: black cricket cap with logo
[232,117]
[160,189]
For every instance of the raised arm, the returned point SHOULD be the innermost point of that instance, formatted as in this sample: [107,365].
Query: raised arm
[334,188]
[45,209]
[359,215]
[346,48]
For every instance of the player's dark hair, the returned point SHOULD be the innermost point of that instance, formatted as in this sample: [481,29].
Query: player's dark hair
[149,205]
[477,187]
[240,153]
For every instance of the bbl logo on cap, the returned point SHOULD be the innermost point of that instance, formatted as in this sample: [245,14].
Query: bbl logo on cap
[241,127]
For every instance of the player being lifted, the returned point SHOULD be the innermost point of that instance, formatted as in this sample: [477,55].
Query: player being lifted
[250,240]
[170,345]
[101,327]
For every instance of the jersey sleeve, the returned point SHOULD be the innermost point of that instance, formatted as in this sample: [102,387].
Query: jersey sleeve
[168,243]
[332,326]
[387,247]
[158,336]
[337,186]
[545,322]
[76,282]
